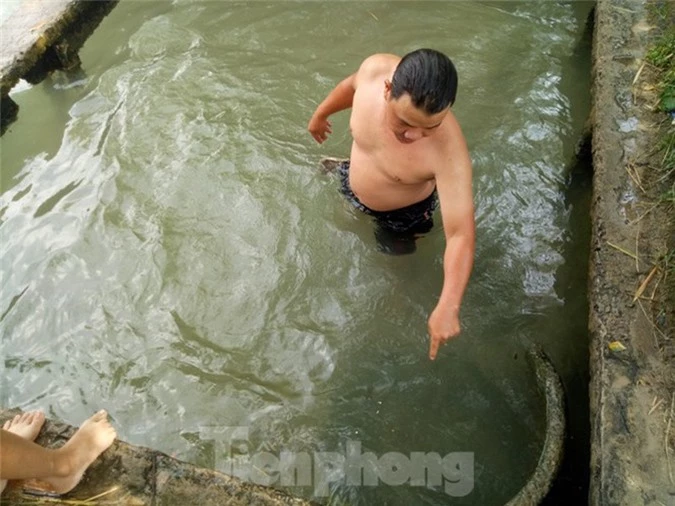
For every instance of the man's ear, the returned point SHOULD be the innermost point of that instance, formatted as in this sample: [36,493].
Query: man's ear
[387,89]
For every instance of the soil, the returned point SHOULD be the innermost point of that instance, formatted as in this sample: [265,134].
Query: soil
[631,286]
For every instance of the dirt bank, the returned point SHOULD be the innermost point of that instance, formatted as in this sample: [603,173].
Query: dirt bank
[631,316]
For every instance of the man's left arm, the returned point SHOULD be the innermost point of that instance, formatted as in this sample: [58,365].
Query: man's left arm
[455,194]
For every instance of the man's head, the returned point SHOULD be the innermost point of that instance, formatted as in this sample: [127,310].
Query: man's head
[421,91]
[429,77]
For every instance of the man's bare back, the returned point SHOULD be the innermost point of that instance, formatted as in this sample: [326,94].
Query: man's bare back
[407,143]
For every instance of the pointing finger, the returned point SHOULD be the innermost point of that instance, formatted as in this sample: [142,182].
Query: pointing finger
[433,349]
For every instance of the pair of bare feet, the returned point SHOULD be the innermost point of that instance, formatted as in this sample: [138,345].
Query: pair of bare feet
[62,468]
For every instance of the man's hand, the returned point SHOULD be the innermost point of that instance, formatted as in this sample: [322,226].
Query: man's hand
[443,325]
[319,127]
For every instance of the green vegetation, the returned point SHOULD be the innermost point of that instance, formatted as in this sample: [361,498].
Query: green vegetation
[662,56]
[668,165]
[662,53]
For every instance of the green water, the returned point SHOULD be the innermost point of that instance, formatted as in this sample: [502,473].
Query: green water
[171,252]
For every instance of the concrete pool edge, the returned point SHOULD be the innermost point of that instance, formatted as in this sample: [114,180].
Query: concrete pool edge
[541,480]
[630,462]
[41,36]
[146,476]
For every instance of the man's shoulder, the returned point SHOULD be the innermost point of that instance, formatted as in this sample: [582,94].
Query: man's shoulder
[380,65]
[450,141]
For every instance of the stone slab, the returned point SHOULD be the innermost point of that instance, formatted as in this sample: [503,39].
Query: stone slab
[40,36]
[141,476]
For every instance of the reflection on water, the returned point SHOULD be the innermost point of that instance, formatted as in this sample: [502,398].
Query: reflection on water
[171,251]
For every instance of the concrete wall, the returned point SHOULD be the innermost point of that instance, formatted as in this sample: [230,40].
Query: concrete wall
[630,460]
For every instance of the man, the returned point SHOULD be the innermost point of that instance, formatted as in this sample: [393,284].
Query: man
[407,146]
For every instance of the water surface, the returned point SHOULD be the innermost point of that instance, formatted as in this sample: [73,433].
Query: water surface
[170,250]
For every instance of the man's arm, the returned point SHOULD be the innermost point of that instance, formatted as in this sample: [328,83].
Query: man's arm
[342,95]
[457,211]
[337,100]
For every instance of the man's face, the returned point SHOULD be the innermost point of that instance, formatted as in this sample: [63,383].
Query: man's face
[407,122]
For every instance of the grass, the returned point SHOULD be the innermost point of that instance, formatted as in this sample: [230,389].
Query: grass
[661,10]
[662,54]
[667,147]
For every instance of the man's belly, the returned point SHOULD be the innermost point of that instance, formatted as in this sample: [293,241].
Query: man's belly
[380,192]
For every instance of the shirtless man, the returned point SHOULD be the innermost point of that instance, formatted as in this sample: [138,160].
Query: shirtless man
[407,147]
[61,469]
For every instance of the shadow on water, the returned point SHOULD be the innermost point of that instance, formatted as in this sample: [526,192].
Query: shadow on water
[571,485]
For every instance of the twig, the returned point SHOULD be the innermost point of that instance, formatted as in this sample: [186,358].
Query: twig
[113,489]
[630,168]
[656,285]
[637,75]
[72,502]
[644,284]
[670,420]
[374,16]
[625,252]
[655,407]
[633,88]
[639,218]
[58,501]
[666,175]
[665,156]
[656,341]
[637,248]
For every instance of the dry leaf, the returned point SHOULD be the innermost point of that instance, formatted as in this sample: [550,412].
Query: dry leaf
[616,346]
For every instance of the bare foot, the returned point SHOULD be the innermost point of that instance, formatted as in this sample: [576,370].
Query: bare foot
[27,425]
[93,437]
[329,164]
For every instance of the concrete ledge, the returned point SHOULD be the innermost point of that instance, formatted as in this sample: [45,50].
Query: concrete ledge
[549,383]
[41,36]
[148,477]
[629,442]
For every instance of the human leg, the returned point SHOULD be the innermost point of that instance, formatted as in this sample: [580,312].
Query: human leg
[396,231]
[63,467]
[27,426]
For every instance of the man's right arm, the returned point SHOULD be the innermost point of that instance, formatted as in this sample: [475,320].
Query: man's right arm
[339,99]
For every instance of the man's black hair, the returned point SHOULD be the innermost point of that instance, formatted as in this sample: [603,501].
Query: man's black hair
[429,77]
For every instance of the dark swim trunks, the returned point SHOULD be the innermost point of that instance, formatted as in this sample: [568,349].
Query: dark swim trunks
[396,230]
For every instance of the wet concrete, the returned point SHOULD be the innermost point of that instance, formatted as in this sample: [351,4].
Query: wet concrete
[541,480]
[632,383]
[41,36]
[148,477]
